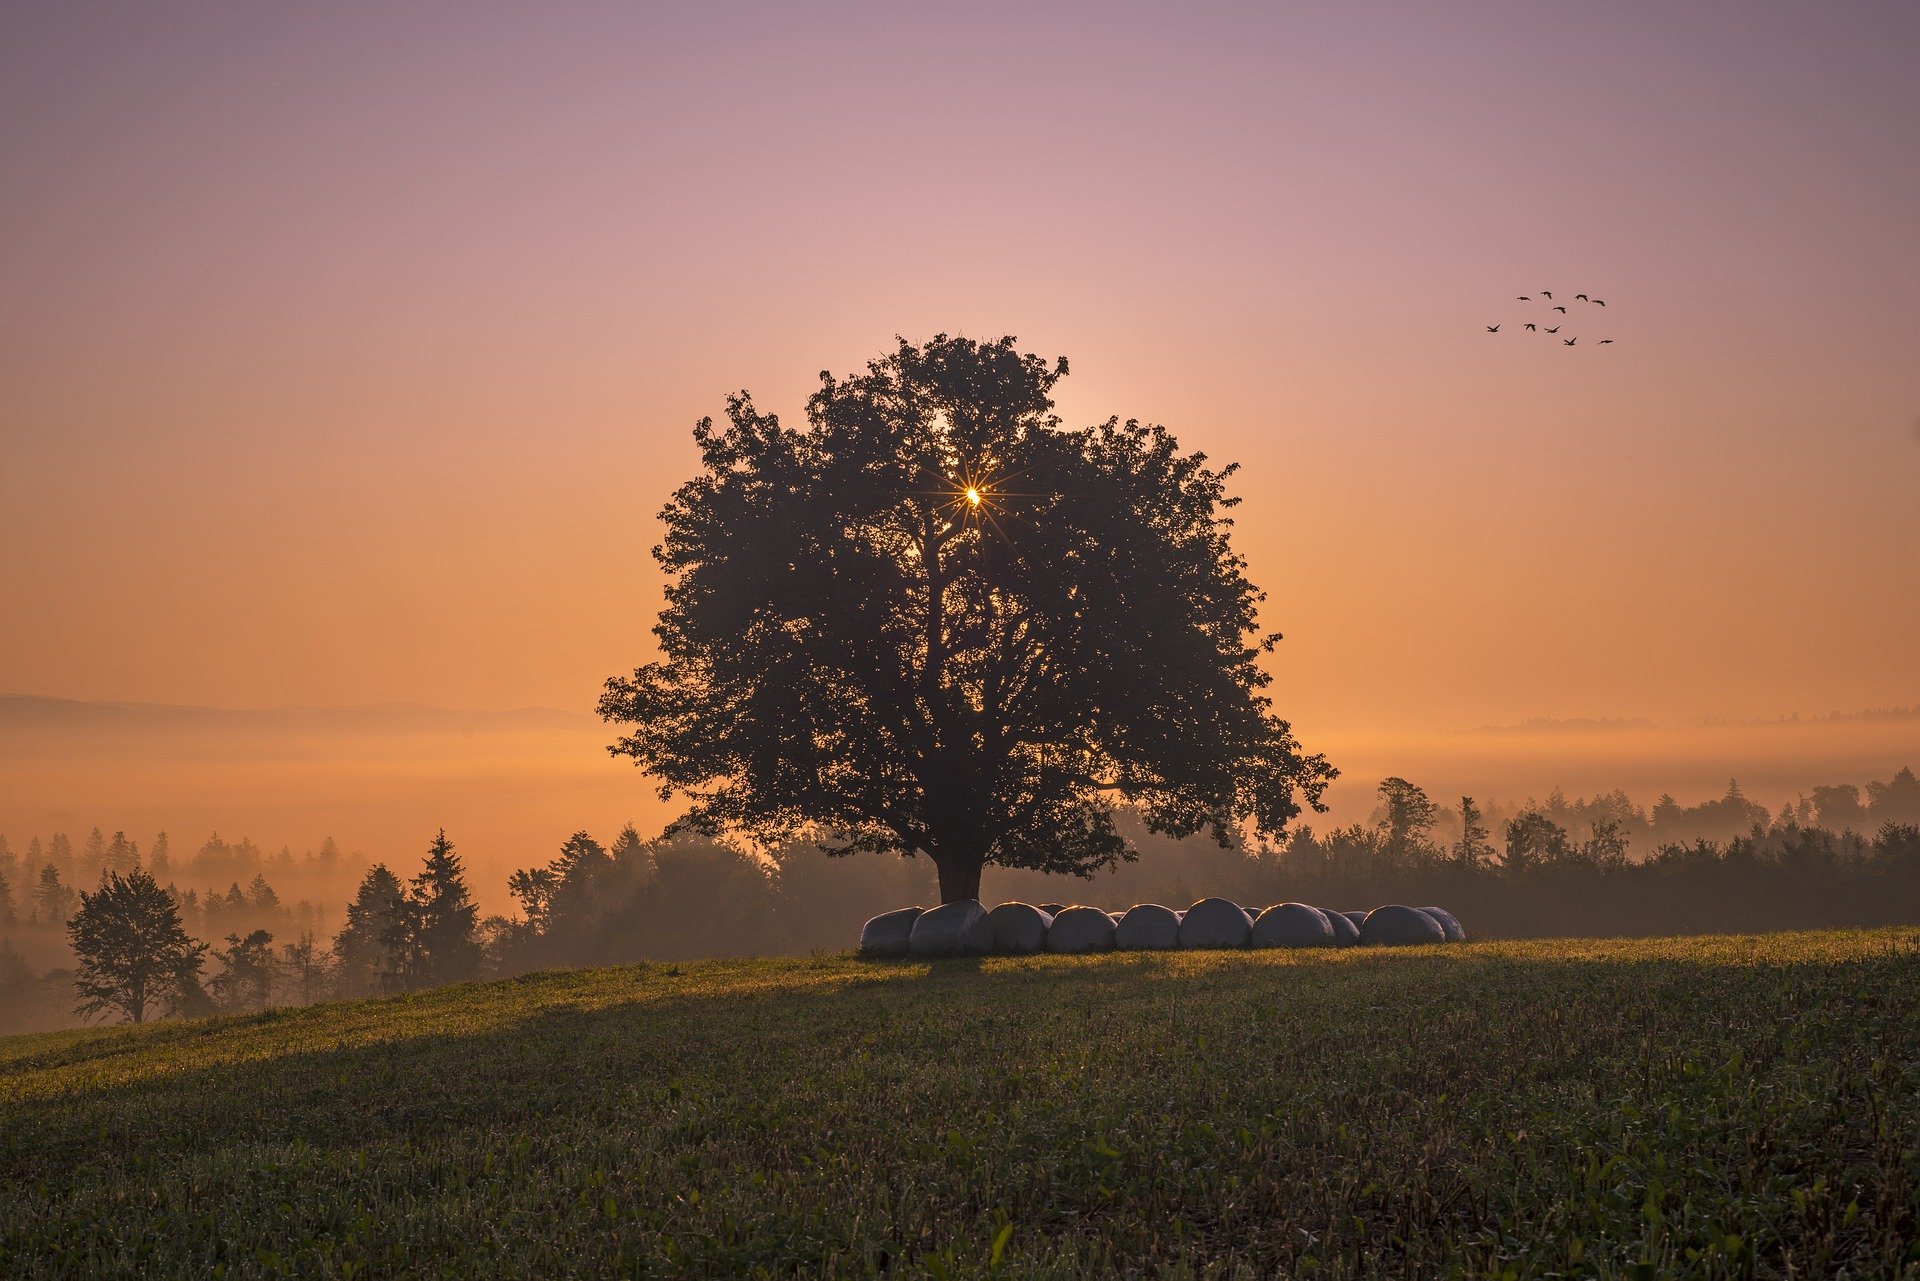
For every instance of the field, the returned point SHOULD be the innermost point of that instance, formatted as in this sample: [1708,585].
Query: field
[1728,1106]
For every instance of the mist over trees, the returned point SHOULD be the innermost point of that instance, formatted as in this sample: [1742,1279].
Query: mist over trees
[1840,855]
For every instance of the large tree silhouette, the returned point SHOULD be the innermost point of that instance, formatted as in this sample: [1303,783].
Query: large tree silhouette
[935,621]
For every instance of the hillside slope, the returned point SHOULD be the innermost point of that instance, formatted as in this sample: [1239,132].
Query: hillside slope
[1704,1106]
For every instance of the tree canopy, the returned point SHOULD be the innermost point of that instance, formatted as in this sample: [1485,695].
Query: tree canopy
[936,621]
[131,949]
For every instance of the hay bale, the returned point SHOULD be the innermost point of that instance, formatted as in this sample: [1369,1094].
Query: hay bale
[1400,926]
[1053,909]
[1215,922]
[890,933]
[1080,929]
[1448,923]
[1358,918]
[1019,928]
[1147,927]
[1345,932]
[1292,925]
[952,929]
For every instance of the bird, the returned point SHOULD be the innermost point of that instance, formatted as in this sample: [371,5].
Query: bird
[1599,302]
[1569,341]
[1605,341]
[1579,297]
[1530,327]
[1561,310]
[1493,329]
[1523,298]
[1554,330]
[1546,293]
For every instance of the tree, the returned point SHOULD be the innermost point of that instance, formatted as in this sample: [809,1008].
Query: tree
[160,859]
[6,902]
[1533,841]
[541,889]
[260,895]
[122,855]
[53,900]
[131,949]
[1409,815]
[934,621]
[94,855]
[444,917]
[1607,847]
[1895,801]
[1472,849]
[369,953]
[245,981]
[306,967]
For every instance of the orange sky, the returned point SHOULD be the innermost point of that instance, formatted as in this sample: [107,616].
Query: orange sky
[349,351]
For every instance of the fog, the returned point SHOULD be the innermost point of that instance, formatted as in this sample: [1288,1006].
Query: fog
[510,786]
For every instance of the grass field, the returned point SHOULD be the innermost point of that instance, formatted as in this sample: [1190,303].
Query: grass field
[1706,1107]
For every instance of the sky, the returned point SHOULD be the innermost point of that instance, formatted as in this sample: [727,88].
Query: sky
[349,351]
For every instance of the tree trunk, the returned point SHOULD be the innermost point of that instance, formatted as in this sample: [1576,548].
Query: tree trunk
[959,876]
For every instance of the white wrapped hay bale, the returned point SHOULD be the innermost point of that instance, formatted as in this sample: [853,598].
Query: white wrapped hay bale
[890,933]
[1292,925]
[1345,932]
[952,929]
[1215,922]
[1080,929]
[1448,923]
[1019,928]
[1400,926]
[1357,918]
[1147,927]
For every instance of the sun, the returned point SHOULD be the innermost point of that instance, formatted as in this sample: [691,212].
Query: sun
[973,495]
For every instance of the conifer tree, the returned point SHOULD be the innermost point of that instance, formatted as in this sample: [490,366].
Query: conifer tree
[160,860]
[370,952]
[1473,849]
[60,854]
[53,899]
[444,917]
[122,855]
[260,895]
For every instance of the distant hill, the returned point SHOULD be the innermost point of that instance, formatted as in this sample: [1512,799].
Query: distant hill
[30,713]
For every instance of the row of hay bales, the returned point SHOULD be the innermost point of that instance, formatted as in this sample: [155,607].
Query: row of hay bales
[968,929]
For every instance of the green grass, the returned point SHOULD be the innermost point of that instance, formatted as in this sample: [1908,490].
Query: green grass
[1709,1107]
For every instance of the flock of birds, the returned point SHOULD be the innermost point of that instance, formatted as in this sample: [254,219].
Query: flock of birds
[1547,295]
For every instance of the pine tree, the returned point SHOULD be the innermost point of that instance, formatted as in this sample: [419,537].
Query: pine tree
[94,857]
[60,854]
[6,901]
[160,861]
[131,950]
[260,895]
[122,855]
[370,952]
[445,917]
[1473,849]
[53,900]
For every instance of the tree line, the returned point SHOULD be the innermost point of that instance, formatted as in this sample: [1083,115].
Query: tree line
[1558,867]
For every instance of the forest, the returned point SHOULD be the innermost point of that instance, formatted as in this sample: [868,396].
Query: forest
[262,930]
